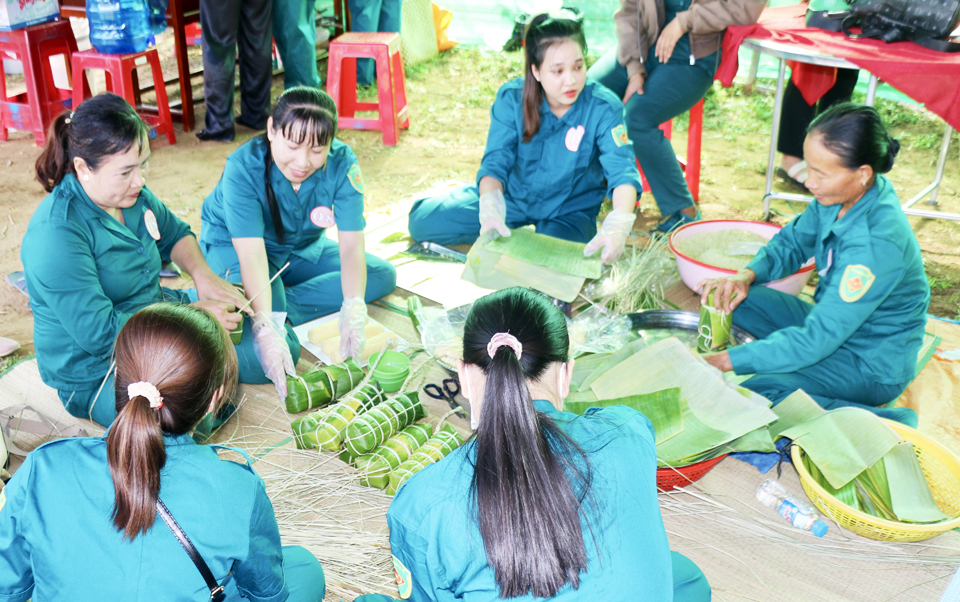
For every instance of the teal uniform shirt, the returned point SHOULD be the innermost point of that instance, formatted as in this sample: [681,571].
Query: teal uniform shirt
[435,536]
[87,274]
[237,207]
[569,165]
[59,542]
[872,297]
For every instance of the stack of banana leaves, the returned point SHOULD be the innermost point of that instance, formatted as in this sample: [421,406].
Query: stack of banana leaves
[859,460]
[320,386]
[696,414]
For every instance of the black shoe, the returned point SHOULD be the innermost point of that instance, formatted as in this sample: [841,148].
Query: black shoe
[222,136]
[261,125]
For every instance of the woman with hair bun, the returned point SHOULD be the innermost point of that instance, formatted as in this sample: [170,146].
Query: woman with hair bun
[556,148]
[858,345]
[93,250]
[541,503]
[79,519]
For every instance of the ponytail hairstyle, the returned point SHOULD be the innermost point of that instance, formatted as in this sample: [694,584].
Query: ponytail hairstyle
[101,126]
[541,33]
[530,480]
[856,134]
[301,113]
[185,355]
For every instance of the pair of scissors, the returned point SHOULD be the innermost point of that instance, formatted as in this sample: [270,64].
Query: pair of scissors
[448,392]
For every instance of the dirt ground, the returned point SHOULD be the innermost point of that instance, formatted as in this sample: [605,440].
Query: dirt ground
[449,114]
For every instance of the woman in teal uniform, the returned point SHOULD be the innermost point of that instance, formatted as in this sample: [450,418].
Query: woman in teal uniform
[93,250]
[78,520]
[541,503]
[858,345]
[667,53]
[557,146]
[277,196]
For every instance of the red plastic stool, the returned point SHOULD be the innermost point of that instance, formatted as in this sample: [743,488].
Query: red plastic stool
[35,109]
[121,70]
[691,164]
[391,83]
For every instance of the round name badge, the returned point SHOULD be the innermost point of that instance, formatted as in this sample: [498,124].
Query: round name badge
[150,221]
[322,217]
[573,138]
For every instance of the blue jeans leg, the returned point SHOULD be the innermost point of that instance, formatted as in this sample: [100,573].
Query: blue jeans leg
[314,290]
[669,90]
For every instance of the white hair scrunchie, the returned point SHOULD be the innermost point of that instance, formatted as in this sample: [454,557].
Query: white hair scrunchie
[147,391]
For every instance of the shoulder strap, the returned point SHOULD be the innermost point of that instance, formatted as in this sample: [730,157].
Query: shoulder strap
[216,590]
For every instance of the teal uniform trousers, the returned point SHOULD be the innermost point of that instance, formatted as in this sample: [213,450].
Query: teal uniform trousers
[87,274]
[858,344]
[439,554]
[295,33]
[670,89]
[373,16]
[59,541]
[557,181]
[237,208]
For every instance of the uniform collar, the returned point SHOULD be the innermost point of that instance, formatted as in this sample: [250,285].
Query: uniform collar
[832,225]
[542,405]
[133,216]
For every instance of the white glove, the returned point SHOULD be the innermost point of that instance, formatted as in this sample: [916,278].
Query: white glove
[493,213]
[353,319]
[270,346]
[612,236]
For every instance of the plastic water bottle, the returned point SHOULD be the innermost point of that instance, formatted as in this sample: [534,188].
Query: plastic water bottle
[158,16]
[798,513]
[118,26]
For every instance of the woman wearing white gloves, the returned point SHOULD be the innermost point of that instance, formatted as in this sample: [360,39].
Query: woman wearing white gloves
[557,146]
[277,196]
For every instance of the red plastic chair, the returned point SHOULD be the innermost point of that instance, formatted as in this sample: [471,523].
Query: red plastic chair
[384,48]
[121,72]
[35,109]
[691,164]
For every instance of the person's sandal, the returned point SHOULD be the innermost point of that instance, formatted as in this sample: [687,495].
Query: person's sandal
[795,176]
[18,281]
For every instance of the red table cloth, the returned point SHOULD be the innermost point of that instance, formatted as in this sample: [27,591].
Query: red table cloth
[927,76]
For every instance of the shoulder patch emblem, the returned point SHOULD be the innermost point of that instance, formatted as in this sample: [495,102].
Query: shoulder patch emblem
[150,221]
[356,180]
[855,283]
[404,579]
[620,135]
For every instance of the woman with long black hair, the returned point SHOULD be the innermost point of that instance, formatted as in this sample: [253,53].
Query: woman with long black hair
[541,503]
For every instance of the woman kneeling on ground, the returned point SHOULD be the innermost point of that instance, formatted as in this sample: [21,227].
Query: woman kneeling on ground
[277,196]
[541,503]
[93,250]
[858,345]
[557,146]
[79,519]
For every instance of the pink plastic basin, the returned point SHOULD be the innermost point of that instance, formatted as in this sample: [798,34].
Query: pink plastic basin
[693,271]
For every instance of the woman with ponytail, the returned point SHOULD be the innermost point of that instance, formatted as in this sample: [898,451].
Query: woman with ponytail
[78,520]
[277,196]
[540,504]
[93,250]
[857,346]
[556,148]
